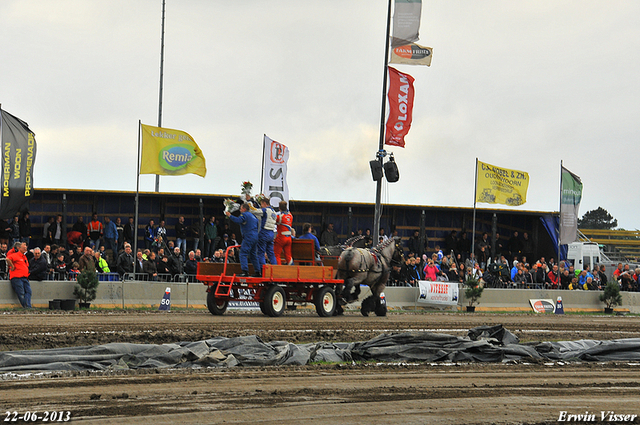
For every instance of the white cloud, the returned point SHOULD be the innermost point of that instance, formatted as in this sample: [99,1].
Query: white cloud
[519,84]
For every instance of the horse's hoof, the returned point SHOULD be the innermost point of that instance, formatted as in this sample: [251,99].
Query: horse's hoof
[381,310]
[342,301]
[365,313]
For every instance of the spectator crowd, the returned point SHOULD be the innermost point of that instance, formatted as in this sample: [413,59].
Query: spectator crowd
[107,246]
[458,263]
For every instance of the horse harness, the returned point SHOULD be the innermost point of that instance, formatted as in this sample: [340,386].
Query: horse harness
[363,262]
[375,253]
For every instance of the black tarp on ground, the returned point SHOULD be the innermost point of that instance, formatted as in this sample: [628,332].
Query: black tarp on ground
[590,350]
[484,344]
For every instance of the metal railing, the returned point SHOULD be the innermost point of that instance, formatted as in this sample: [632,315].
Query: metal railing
[582,237]
[504,284]
[115,277]
[161,277]
[62,276]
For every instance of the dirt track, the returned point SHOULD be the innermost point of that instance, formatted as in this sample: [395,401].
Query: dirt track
[345,394]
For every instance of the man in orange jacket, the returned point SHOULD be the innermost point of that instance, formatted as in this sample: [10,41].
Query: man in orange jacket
[95,231]
[19,273]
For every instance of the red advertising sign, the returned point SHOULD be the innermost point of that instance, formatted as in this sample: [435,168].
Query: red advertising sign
[400,96]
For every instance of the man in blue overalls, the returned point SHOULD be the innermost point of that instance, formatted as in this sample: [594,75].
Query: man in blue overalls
[249,225]
[267,217]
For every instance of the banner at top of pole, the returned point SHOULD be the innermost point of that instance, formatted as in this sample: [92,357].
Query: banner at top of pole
[18,158]
[501,185]
[406,22]
[571,195]
[169,152]
[571,188]
[274,178]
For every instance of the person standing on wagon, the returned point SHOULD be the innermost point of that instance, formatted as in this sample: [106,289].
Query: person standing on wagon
[267,217]
[284,222]
[249,225]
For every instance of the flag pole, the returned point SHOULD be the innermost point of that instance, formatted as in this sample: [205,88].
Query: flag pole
[264,139]
[559,212]
[161,84]
[379,155]
[475,196]
[135,229]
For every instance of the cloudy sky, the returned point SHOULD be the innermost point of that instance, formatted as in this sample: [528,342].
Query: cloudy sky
[520,85]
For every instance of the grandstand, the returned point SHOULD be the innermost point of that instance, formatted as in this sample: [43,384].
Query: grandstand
[618,245]
[435,222]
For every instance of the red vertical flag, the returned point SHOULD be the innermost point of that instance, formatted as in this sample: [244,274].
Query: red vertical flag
[400,98]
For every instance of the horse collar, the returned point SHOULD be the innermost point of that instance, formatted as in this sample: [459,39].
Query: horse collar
[376,260]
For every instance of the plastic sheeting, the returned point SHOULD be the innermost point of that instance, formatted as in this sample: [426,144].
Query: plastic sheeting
[483,344]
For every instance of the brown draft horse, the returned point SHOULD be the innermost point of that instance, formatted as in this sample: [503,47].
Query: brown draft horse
[369,267]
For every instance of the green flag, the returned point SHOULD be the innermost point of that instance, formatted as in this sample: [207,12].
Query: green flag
[569,206]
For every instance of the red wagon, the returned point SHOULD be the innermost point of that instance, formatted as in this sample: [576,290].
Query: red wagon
[278,287]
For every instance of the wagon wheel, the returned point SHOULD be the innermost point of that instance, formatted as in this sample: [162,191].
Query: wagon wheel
[275,301]
[325,301]
[261,303]
[216,306]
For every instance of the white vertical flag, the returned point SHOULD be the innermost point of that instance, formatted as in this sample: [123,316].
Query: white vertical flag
[406,22]
[274,171]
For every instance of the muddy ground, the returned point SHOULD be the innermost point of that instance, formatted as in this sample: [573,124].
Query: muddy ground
[530,393]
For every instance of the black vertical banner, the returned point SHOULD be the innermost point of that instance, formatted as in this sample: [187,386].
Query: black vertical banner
[18,159]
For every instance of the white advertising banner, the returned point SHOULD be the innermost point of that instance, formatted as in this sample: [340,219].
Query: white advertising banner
[440,293]
[406,21]
[274,172]
[542,306]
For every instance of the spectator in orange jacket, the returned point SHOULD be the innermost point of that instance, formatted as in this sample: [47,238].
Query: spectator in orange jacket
[19,273]
[95,230]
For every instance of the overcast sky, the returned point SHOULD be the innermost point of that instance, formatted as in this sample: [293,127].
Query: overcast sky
[517,84]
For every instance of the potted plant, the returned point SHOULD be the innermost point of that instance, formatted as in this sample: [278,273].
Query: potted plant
[86,288]
[611,296]
[472,292]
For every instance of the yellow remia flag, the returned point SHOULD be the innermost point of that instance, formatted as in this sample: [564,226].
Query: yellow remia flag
[170,152]
[497,185]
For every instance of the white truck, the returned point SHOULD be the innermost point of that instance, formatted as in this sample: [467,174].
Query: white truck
[581,254]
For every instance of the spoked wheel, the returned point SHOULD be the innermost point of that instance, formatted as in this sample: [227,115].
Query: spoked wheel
[325,301]
[216,306]
[275,301]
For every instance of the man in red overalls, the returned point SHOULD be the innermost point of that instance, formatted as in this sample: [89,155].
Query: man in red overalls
[284,223]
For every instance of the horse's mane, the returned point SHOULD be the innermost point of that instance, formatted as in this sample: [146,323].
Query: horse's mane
[349,242]
[384,244]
